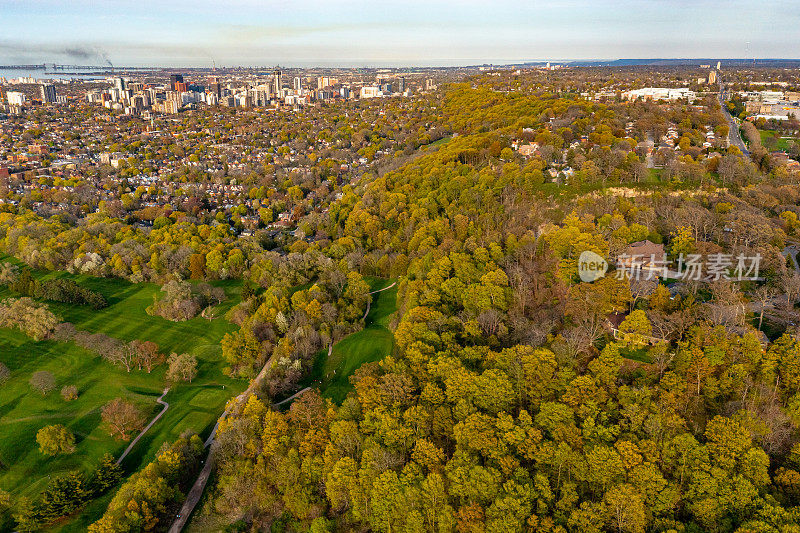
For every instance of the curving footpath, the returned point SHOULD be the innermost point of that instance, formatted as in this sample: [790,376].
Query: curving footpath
[290,398]
[148,426]
[196,492]
[369,303]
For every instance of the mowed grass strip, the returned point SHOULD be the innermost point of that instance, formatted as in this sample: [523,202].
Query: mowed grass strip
[373,343]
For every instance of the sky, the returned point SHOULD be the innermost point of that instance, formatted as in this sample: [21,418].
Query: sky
[397,33]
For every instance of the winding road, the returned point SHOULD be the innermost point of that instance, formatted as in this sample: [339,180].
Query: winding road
[148,426]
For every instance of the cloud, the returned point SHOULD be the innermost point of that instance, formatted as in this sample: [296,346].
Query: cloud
[47,52]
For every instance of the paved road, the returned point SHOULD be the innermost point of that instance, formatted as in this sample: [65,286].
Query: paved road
[734,137]
[292,397]
[650,146]
[196,492]
[148,426]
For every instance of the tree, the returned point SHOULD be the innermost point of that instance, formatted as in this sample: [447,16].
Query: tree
[106,474]
[5,500]
[197,266]
[636,329]
[726,306]
[43,381]
[771,141]
[121,354]
[33,318]
[55,440]
[69,392]
[147,354]
[63,496]
[625,509]
[182,367]
[242,350]
[762,295]
[145,500]
[121,417]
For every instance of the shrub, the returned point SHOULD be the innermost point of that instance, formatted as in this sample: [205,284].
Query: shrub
[55,440]
[69,392]
[183,300]
[43,381]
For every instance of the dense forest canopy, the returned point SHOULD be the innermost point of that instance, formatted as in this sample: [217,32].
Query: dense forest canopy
[515,396]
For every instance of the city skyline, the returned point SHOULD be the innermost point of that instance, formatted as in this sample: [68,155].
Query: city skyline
[356,33]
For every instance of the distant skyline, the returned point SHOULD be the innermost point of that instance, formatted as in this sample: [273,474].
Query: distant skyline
[357,33]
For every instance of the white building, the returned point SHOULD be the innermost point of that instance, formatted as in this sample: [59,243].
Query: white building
[659,93]
[370,92]
[15,98]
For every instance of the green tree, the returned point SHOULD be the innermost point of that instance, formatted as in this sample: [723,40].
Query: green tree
[625,509]
[55,440]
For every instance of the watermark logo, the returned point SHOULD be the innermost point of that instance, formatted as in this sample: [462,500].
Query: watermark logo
[591,266]
[691,267]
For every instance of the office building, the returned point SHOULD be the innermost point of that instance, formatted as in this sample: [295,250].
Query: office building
[174,80]
[171,107]
[48,93]
[370,92]
[215,86]
[298,84]
[659,93]
[712,77]
[15,98]
[401,84]
[119,84]
[278,80]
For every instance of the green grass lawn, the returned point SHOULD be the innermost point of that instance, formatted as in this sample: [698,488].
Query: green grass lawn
[654,175]
[636,354]
[373,343]
[193,406]
[436,144]
[784,143]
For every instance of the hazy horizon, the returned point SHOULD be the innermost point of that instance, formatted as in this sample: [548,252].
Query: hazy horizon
[357,33]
